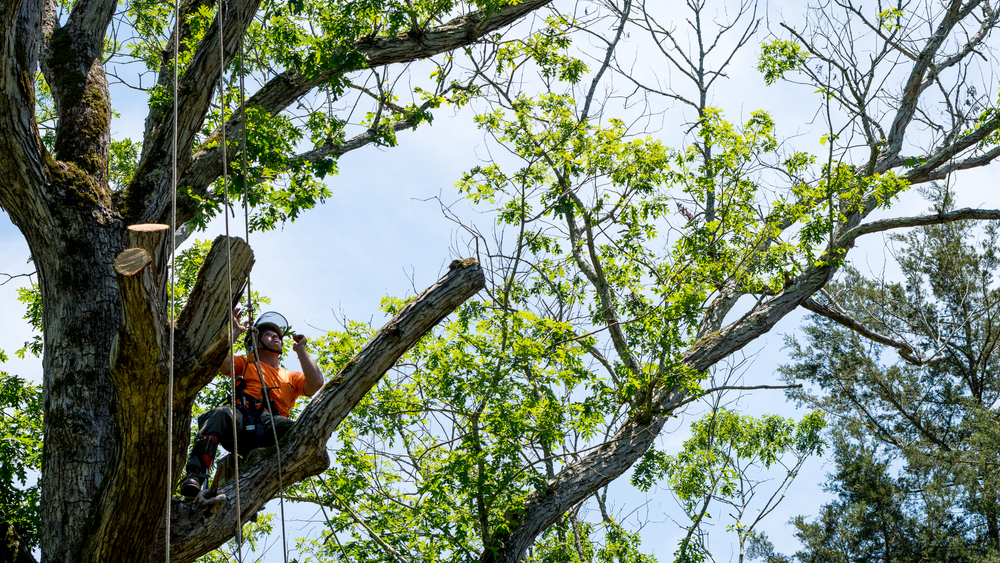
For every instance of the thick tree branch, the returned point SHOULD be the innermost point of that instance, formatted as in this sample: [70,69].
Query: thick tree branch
[87,25]
[946,153]
[21,166]
[284,89]
[912,88]
[716,311]
[75,74]
[165,77]
[147,198]
[972,162]
[197,529]
[967,213]
[202,325]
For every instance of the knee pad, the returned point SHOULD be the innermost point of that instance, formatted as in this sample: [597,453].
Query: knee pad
[204,450]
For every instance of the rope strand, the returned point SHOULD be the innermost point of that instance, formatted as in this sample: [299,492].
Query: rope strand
[274,432]
[229,271]
[173,289]
[246,217]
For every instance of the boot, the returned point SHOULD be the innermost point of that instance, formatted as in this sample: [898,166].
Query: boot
[199,462]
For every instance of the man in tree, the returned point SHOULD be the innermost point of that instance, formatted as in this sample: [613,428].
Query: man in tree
[260,418]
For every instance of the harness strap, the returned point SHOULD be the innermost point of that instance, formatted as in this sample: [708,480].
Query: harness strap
[251,407]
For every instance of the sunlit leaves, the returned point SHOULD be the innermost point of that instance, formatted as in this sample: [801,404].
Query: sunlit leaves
[547,49]
[45,111]
[20,453]
[778,57]
[889,20]
[721,462]
[445,436]
[31,297]
[279,184]
[151,21]
[122,160]
[708,462]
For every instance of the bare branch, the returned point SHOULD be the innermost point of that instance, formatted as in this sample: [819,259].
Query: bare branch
[836,314]
[850,235]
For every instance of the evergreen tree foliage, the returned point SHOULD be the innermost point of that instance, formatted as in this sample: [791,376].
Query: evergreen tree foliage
[916,445]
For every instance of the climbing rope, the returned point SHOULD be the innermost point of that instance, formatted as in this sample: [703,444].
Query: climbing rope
[173,229]
[173,288]
[250,308]
[260,374]
[274,432]
[229,269]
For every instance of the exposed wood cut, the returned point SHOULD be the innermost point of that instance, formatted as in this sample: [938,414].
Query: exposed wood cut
[148,227]
[131,261]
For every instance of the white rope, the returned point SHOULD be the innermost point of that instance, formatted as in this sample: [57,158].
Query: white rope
[246,216]
[229,270]
[274,432]
[173,289]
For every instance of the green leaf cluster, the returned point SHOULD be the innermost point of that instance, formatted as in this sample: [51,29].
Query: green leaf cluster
[20,453]
[778,57]
[444,434]
[723,441]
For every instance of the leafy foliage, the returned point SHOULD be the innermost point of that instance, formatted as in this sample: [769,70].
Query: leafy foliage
[444,436]
[255,538]
[778,57]
[20,453]
[122,160]
[722,462]
[31,298]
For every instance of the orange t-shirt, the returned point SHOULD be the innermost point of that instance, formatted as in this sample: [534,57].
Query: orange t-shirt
[284,386]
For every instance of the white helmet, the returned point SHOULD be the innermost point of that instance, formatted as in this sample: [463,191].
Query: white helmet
[269,320]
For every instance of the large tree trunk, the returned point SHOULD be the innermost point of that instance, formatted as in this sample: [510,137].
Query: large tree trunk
[82,313]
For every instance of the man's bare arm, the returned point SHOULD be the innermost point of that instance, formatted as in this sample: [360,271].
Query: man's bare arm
[238,329]
[314,377]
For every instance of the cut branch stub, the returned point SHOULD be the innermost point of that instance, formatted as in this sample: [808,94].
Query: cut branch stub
[131,261]
[148,227]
